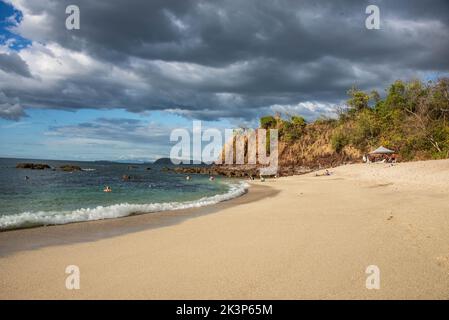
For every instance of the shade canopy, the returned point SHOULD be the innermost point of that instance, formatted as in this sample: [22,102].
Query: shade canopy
[382,150]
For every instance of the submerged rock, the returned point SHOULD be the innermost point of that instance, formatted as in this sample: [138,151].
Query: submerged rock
[33,166]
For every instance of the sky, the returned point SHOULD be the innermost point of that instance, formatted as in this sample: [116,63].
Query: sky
[135,70]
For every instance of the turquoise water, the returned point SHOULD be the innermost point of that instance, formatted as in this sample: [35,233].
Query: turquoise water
[56,197]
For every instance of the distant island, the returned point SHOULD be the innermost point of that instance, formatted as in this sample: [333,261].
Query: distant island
[163,161]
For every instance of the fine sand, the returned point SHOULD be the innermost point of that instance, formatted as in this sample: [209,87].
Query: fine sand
[289,238]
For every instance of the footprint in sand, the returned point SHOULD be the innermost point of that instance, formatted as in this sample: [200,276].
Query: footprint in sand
[443,261]
[381,185]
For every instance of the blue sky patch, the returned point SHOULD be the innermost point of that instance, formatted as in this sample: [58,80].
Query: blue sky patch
[9,17]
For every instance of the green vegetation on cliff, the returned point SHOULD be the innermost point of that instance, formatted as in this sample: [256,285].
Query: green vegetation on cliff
[413,119]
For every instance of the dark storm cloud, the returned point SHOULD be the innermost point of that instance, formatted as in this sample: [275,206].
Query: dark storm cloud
[12,62]
[209,59]
[10,109]
[223,32]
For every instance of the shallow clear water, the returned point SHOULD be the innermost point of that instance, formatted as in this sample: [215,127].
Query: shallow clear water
[55,197]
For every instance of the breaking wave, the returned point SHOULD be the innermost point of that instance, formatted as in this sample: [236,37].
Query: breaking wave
[42,218]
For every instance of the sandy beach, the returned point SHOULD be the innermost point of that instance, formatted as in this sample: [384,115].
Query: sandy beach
[297,237]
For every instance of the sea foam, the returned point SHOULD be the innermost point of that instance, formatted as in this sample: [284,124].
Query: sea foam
[42,218]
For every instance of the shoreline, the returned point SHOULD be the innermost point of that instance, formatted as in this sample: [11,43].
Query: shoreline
[30,219]
[33,238]
[308,237]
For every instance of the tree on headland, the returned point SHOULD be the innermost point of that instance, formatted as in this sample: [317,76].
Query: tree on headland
[268,122]
[358,100]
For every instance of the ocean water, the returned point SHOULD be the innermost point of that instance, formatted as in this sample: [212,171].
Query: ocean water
[56,197]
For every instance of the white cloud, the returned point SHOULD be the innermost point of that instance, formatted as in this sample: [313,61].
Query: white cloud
[307,109]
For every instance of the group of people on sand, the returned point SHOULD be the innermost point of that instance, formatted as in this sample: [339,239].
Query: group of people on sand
[262,178]
[325,173]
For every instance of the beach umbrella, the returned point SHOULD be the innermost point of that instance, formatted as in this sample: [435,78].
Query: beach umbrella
[382,150]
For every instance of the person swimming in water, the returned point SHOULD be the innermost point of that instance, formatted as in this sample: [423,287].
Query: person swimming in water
[211,178]
[107,189]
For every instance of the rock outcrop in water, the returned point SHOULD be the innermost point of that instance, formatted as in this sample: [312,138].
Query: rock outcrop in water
[33,166]
[70,168]
[238,171]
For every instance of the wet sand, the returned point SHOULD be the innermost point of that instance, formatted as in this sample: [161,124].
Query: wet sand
[12,241]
